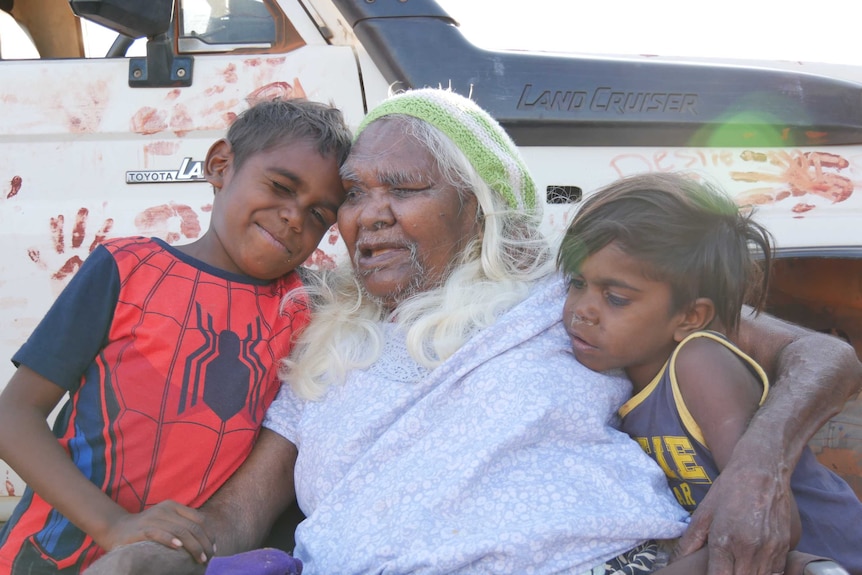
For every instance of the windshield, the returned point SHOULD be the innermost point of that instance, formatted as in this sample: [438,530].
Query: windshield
[769,30]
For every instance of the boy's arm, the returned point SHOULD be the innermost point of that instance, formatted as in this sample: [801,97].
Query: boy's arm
[747,513]
[61,348]
[29,447]
[237,517]
[721,395]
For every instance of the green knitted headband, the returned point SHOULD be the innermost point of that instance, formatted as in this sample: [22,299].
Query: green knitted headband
[490,150]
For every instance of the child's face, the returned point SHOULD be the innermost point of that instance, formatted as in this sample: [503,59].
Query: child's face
[617,318]
[270,215]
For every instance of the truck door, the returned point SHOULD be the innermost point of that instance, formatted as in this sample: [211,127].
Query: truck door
[90,150]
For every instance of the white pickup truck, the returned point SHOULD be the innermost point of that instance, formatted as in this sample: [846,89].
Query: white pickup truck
[97,148]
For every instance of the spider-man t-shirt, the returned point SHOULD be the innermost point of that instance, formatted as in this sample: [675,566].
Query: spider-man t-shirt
[170,365]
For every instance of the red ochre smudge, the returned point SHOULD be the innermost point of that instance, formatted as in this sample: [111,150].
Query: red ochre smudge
[103,232]
[80,227]
[320,259]
[229,74]
[14,186]
[72,265]
[276,91]
[161,148]
[57,233]
[181,120]
[149,120]
[157,217]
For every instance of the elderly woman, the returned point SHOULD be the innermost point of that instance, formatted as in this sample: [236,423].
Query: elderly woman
[434,419]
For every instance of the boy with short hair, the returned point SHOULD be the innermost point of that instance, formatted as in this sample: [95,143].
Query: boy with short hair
[169,353]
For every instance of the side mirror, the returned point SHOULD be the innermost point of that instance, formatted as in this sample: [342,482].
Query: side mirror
[133,18]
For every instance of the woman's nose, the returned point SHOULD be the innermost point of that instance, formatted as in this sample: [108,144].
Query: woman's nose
[375,212]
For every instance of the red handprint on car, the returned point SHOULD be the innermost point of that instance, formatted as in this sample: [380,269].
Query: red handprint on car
[171,222]
[58,241]
[796,174]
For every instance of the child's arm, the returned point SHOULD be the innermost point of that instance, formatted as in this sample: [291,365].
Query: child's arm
[722,395]
[29,447]
[719,391]
[239,515]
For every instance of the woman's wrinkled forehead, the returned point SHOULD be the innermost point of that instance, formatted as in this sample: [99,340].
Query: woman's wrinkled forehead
[392,176]
[390,155]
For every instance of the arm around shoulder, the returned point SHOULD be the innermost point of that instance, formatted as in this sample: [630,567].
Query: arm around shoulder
[243,511]
[813,376]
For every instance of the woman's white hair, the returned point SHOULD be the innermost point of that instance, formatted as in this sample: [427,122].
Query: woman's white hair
[492,274]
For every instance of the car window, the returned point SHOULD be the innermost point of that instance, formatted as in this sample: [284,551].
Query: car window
[15,41]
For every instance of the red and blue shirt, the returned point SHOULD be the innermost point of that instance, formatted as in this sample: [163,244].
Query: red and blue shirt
[170,365]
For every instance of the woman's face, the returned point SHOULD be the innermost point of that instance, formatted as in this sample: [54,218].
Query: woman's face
[402,223]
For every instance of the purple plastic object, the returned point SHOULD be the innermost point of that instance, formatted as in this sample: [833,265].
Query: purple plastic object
[257,562]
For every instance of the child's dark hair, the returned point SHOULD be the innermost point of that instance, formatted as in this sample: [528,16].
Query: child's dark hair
[272,123]
[689,233]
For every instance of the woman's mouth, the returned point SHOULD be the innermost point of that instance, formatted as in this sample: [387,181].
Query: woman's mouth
[379,255]
[376,252]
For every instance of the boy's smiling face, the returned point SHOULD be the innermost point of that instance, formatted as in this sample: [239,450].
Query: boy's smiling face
[270,214]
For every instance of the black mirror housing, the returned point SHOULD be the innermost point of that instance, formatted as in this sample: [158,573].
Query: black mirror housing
[133,18]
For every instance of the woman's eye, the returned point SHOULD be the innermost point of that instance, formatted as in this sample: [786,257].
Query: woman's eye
[403,191]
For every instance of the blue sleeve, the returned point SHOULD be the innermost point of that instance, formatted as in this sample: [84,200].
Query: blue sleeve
[76,326]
